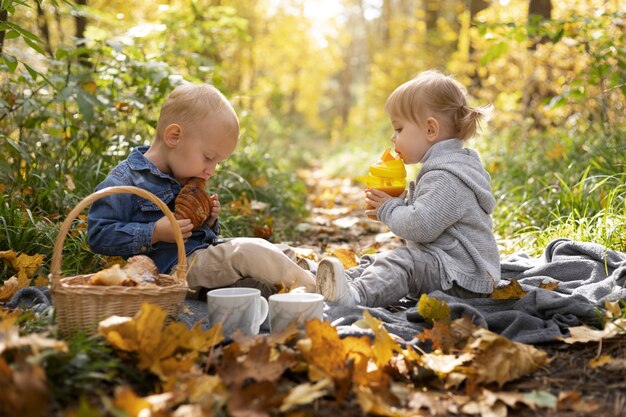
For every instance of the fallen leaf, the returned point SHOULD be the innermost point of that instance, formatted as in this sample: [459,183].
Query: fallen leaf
[572,400]
[433,309]
[384,345]
[9,287]
[442,364]
[440,336]
[126,399]
[435,402]
[498,359]
[613,309]
[585,334]
[346,256]
[24,265]
[24,391]
[254,400]
[164,350]
[306,393]
[512,291]
[258,364]
[372,403]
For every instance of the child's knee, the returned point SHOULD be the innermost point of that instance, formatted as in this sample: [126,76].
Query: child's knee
[250,248]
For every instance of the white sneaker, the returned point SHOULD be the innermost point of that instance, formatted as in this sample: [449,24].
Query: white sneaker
[307,265]
[331,282]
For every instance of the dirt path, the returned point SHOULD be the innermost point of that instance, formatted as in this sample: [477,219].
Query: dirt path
[337,222]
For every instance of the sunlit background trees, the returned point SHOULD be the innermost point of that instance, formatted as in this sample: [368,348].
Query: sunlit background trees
[82,83]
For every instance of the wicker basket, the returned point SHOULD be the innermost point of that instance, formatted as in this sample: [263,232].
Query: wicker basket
[81,307]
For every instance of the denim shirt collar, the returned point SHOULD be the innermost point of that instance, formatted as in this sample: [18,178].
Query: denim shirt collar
[138,162]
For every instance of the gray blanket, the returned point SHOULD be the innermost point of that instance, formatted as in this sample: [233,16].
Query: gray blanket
[587,275]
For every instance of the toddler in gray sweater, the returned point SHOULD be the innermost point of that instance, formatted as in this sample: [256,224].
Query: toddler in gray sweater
[446,217]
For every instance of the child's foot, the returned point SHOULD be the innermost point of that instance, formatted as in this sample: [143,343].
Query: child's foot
[331,282]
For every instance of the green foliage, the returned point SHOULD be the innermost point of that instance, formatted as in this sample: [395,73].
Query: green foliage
[569,186]
[67,133]
[89,366]
[252,174]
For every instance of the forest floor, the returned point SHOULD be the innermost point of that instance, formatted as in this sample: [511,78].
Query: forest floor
[337,222]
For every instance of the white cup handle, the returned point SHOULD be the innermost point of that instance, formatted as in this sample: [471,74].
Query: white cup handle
[264,310]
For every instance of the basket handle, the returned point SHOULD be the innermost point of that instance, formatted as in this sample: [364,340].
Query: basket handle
[55,267]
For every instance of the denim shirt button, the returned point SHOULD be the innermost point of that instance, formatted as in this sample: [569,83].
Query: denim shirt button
[144,249]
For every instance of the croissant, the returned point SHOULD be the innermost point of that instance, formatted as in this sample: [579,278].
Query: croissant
[112,276]
[193,202]
[142,270]
[139,270]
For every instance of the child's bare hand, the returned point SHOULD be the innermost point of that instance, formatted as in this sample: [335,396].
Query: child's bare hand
[163,231]
[375,198]
[215,210]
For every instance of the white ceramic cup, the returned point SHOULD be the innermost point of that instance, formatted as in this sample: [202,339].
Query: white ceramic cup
[237,309]
[294,307]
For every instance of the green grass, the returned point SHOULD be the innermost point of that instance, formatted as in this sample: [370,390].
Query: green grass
[558,185]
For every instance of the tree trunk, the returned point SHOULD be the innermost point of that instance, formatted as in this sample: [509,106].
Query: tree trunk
[386,22]
[431,11]
[4,15]
[538,11]
[44,30]
[81,26]
[534,91]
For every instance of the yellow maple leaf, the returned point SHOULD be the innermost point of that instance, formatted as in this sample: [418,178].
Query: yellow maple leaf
[126,399]
[433,309]
[512,291]
[327,350]
[346,256]
[384,346]
[164,350]
[9,287]
[498,359]
[24,265]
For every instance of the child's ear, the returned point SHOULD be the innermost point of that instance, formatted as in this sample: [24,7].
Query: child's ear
[432,129]
[172,134]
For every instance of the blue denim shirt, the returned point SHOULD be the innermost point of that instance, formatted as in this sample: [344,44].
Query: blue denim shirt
[122,224]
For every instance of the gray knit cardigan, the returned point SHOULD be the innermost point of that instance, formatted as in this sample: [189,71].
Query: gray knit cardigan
[448,214]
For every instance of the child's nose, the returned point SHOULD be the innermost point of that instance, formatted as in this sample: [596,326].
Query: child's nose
[210,170]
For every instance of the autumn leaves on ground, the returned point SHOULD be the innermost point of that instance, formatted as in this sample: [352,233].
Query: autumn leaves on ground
[145,363]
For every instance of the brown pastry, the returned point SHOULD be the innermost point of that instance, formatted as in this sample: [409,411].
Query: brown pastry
[193,202]
[112,276]
[139,270]
[142,270]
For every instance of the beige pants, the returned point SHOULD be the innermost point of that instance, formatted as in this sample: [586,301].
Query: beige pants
[224,264]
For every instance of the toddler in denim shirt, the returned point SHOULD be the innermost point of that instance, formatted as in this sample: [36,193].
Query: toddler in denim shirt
[197,129]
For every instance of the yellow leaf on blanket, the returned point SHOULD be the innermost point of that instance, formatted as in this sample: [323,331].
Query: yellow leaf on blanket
[433,309]
[512,291]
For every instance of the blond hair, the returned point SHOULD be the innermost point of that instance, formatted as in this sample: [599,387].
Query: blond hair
[191,102]
[433,94]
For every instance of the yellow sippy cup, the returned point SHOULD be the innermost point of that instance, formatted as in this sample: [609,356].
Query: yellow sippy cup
[388,174]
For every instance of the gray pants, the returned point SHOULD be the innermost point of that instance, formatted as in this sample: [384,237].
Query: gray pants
[383,279]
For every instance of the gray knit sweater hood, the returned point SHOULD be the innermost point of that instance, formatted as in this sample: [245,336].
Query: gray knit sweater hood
[448,214]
